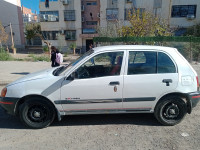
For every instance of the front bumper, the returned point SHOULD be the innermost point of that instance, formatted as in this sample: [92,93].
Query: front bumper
[8,104]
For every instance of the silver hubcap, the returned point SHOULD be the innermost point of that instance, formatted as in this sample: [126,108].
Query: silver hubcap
[36,114]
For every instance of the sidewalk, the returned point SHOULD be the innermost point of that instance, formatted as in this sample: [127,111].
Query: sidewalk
[12,70]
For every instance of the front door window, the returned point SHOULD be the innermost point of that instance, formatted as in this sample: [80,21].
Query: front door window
[102,65]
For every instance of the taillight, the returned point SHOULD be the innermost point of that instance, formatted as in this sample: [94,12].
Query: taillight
[3,92]
[197,82]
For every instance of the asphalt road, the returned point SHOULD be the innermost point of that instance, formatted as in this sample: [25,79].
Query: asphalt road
[103,132]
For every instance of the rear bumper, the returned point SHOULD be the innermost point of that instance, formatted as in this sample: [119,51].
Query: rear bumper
[194,98]
[8,104]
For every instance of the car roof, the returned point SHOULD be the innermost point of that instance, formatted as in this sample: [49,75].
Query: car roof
[134,47]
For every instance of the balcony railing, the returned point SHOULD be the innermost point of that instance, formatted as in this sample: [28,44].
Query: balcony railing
[89,31]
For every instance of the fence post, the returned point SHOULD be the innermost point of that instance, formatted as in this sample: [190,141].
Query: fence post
[191,54]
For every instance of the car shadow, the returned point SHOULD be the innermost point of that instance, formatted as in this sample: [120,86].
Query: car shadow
[21,73]
[13,122]
[108,119]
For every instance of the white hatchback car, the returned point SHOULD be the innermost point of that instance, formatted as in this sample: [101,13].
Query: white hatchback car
[111,79]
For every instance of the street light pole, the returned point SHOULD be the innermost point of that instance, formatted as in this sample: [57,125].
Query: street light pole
[11,34]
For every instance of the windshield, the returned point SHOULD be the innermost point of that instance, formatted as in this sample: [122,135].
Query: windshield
[61,70]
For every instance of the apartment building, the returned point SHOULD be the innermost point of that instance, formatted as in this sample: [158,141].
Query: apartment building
[77,20]
[178,13]
[61,22]
[29,16]
[10,11]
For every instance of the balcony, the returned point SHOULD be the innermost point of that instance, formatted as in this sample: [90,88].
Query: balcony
[88,33]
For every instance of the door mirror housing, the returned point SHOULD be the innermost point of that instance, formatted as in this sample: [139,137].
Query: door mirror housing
[72,76]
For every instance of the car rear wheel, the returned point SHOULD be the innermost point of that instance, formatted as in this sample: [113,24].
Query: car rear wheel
[37,113]
[170,110]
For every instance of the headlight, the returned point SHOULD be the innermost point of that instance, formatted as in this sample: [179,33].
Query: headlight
[3,92]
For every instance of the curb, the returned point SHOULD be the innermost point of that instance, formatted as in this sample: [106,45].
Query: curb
[3,83]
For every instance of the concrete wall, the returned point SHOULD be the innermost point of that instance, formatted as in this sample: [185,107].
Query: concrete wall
[10,11]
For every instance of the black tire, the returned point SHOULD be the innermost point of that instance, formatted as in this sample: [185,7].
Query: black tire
[37,113]
[170,110]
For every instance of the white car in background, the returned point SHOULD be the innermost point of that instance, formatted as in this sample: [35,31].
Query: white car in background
[110,79]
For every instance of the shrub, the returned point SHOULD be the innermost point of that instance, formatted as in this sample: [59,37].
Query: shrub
[45,48]
[4,56]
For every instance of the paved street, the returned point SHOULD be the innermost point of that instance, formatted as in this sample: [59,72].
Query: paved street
[95,132]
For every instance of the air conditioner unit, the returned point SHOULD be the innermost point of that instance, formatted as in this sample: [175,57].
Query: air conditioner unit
[65,2]
[98,15]
[190,17]
[83,19]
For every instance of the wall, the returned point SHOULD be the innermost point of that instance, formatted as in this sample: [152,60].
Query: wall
[12,13]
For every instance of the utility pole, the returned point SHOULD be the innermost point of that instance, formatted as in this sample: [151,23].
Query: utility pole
[13,45]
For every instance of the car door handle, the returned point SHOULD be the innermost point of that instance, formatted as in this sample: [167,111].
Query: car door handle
[167,81]
[114,83]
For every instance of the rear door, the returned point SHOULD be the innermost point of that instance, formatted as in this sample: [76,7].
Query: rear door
[150,74]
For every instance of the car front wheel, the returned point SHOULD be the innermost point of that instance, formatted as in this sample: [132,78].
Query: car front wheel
[37,113]
[170,110]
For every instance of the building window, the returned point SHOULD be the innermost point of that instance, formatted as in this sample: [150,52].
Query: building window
[70,35]
[131,10]
[91,3]
[50,35]
[91,22]
[89,31]
[112,14]
[183,10]
[69,15]
[49,16]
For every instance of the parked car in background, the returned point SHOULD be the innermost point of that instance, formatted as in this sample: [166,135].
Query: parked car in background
[110,79]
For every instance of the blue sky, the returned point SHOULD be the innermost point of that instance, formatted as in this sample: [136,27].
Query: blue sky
[33,4]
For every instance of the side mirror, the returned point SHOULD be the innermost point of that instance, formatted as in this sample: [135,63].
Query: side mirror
[72,76]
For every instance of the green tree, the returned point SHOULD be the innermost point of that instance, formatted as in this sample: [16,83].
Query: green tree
[34,30]
[73,46]
[144,23]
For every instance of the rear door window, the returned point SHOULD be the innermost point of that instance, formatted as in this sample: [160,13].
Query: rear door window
[142,62]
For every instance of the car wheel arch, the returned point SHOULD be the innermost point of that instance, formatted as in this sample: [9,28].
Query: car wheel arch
[25,98]
[182,96]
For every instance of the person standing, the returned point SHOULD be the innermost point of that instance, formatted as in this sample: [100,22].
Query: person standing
[53,56]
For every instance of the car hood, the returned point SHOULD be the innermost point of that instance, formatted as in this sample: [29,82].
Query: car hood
[34,76]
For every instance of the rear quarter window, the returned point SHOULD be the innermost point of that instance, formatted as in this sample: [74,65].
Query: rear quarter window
[165,64]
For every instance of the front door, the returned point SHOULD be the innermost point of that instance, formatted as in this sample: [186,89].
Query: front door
[97,86]
[149,75]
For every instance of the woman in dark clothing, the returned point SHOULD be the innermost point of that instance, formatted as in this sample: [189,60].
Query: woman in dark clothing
[53,56]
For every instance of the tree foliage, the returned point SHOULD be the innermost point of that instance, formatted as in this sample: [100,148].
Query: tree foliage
[145,24]
[3,35]
[32,30]
[195,47]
